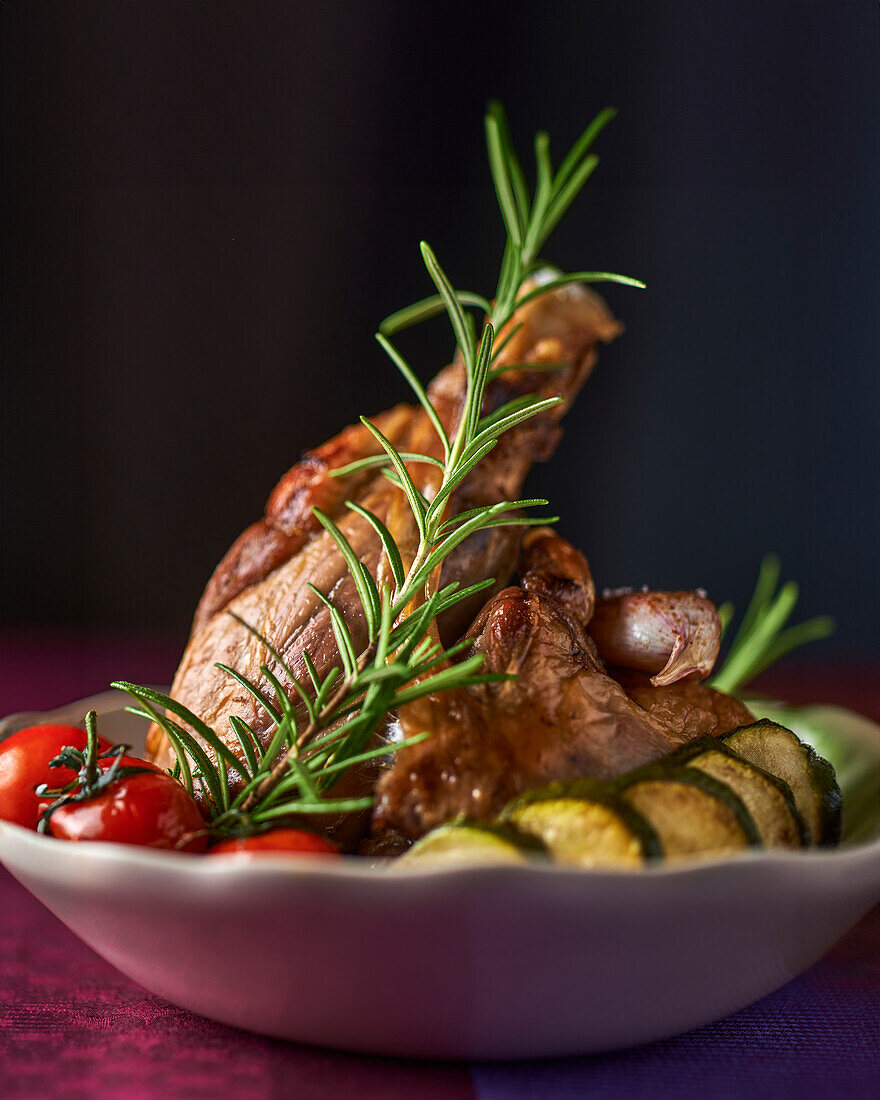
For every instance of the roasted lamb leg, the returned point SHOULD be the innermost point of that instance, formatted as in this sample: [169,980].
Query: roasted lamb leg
[263,578]
[564,717]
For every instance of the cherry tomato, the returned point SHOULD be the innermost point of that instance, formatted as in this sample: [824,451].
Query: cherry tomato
[24,764]
[294,841]
[148,808]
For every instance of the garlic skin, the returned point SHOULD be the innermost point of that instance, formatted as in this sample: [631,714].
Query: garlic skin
[671,635]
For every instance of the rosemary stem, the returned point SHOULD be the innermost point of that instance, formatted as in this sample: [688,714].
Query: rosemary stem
[401,600]
[282,765]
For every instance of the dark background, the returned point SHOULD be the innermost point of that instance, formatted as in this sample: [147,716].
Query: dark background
[210,206]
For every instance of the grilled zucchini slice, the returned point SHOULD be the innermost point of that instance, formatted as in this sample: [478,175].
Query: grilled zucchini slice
[691,812]
[811,778]
[466,842]
[768,799]
[584,825]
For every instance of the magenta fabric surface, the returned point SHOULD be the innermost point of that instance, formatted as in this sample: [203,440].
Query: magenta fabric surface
[71,1025]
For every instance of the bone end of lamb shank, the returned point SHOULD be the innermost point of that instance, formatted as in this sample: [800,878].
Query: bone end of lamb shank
[263,579]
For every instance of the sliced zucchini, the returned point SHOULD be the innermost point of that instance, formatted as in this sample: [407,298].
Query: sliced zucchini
[811,778]
[584,825]
[464,842]
[691,812]
[768,799]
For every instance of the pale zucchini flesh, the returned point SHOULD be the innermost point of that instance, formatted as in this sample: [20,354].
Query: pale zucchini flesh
[582,833]
[470,844]
[812,781]
[584,824]
[768,799]
[691,812]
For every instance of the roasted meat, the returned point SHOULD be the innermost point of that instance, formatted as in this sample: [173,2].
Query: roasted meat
[566,715]
[562,718]
[263,578]
[688,709]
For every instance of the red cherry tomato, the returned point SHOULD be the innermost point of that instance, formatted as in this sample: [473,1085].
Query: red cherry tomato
[148,808]
[24,764]
[296,841]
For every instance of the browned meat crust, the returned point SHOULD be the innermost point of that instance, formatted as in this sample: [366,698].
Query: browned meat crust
[688,709]
[289,522]
[563,718]
[263,578]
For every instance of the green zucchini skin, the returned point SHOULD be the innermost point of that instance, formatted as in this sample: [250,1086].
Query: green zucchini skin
[528,843]
[819,774]
[696,748]
[660,770]
[587,788]
[506,835]
[826,779]
[503,830]
[593,790]
[689,749]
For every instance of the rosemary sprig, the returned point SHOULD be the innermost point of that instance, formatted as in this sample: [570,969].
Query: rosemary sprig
[528,220]
[762,637]
[402,661]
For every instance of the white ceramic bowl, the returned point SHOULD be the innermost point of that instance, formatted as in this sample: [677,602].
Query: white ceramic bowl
[492,962]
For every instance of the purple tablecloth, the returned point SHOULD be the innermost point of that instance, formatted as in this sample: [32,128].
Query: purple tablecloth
[73,1026]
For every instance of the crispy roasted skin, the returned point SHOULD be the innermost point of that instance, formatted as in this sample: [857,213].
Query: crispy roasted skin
[564,716]
[289,523]
[688,709]
[264,577]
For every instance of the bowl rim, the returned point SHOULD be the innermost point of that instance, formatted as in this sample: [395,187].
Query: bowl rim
[377,869]
[359,868]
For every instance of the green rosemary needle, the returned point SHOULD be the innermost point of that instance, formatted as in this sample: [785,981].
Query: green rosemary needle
[762,638]
[528,220]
